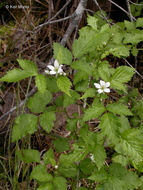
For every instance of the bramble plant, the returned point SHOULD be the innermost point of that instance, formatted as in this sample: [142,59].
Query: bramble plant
[110,152]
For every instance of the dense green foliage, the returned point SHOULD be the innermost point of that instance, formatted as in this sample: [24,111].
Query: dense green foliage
[110,153]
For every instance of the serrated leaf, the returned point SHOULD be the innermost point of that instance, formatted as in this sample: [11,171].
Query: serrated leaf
[64,84]
[47,120]
[86,166]
[61,144]
[28,66]
[134,38]
[60,182]
[118,108]
[71,124]
[38,102]
[109,125]
[80,76]
[82,65]
[48,186]
[138,109]
[49,158]
[131,145]
[139,22]
[98,175]
[93,112]
[52,85]
[41,83]
[90,92]
[104,71]
[15,75]
[121,75]
[68,100]
[62,54]
[121,160]
[92,21]
[129,25]
[40,174]
[99,155]
[29,155]
[24,124]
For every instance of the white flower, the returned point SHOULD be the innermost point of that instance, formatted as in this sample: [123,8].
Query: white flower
[56,69]
[92,157]
[102,87]
[56,166]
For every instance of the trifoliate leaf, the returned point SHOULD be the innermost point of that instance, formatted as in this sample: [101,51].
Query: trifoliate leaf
[47,120]
[118,108]
[38,102]
[40,174]
[24,124]
[62,54]
[110,126]
[41,83]
[29,155]
[64,84]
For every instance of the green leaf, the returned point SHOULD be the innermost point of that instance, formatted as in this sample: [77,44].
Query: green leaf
[60,183]
[104,71]
[62,54]
[131,145]
[48,186]
[138,109]
[24,124]
[71,124]
[38,102]
[93,112]
[80,76]
[64,84]
[90,92]
[118,108]
[49,157]
[68,100]
[139,22]
[52,85]
[28,66]
[29,155]
[41,83]
[99,175]
[82,65]
[15,75]
[125,125]
[92,21]
[110,125]
[129,25]
[121,160]
[86,166]
[61,144]
[134,38]
[47,120]
[99,155]
[121,75]
[39,173]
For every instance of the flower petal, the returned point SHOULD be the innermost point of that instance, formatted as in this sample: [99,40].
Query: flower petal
[107,90]
[47,71]
[97,85]
[100,91]
[107,84]
[102,83]
[52,72]
[56,64]
[60,70]
[51,67]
